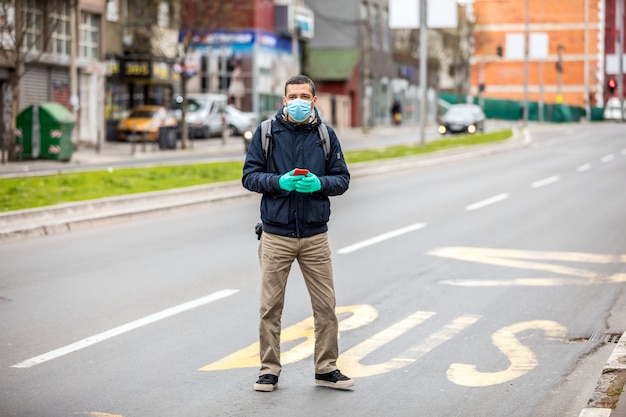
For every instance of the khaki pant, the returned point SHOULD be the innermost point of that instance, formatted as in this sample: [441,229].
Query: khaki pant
[276,255]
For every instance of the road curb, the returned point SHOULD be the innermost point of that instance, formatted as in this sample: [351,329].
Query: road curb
[612,378]
[60,218]
[66,217]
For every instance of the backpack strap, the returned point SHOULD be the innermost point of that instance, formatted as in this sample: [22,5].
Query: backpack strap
[266,135]
[325,138]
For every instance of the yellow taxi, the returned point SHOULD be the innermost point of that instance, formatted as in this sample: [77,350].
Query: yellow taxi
[144,123]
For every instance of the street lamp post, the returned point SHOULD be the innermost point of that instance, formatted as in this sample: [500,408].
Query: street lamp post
[526,62]
[423,69]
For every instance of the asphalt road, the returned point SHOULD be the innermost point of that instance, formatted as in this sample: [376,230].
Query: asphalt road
[468,289]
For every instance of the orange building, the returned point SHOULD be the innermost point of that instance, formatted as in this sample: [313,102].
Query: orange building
[565,35]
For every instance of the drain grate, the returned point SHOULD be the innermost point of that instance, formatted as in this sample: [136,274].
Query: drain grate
[605,337]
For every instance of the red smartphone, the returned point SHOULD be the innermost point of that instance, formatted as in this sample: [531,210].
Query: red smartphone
[300,171]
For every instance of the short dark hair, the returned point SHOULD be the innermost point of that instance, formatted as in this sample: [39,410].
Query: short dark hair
[300,79]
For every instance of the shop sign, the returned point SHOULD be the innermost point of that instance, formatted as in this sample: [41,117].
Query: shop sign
[136,69]
[161,71]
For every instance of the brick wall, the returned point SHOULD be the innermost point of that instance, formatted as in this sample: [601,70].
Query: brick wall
[563,22]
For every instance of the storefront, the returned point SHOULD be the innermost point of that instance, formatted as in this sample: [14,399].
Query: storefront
[251,67]
[135,82]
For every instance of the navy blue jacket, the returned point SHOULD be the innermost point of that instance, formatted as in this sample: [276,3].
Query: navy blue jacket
[295,214]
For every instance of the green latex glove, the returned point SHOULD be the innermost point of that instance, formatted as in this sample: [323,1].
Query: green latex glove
[288,182]
[309,184]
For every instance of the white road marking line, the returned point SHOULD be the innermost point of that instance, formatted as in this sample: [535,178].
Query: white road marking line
[584,167]
[380,238]
[491,200]
[545,181]
[92,340]
[607,158]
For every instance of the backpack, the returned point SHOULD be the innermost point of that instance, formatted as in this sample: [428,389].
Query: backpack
[266,137]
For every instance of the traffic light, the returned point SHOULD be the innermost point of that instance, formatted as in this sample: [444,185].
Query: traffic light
[499,51]
[611,85]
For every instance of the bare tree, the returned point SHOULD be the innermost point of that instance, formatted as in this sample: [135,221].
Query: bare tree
[26,31]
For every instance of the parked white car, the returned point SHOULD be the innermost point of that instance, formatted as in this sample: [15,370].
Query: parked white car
[204,114]
[239,121]
[612,109]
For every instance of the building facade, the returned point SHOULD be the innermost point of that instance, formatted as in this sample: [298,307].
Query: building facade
[59,60]
[352,55]
[566,51]
[245,49]
[141,56]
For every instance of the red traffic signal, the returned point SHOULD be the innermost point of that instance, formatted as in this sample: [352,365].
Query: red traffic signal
[612,85]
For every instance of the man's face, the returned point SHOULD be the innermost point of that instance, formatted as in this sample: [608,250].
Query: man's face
[302,91]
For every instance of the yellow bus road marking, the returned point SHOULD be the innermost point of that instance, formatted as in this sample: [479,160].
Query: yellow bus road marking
[359,315]
[522,359]
[527,260]
[350,360]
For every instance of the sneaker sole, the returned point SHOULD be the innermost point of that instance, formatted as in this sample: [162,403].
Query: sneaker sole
[265,387]
[336,385]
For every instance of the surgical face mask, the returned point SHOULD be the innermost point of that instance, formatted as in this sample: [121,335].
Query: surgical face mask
[299,109]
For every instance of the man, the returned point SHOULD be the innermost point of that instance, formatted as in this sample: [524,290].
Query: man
[295,210]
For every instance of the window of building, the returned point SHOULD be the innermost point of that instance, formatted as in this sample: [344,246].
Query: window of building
[7,23]
[375,26]
[113,7]
[163,16]
[32,18]
[61,32]
[364,18]
[89,35]
[385,30]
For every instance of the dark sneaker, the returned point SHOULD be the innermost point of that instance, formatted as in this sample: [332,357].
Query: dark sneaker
[334,379]
[266,383]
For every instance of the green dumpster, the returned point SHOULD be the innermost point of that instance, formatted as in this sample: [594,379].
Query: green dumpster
[46,132]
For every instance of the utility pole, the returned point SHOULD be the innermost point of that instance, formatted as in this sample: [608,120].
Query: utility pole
[295,37]
[620,53]
[559,75]
[423,69]
[367,88]
[526,63]
[74,102]
[586,76]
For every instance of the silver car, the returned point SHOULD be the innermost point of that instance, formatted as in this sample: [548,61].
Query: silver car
[239,121]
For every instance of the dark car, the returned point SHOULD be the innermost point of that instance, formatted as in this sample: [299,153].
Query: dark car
[462,118]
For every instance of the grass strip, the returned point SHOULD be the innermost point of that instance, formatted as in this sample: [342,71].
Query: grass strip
[39,191]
